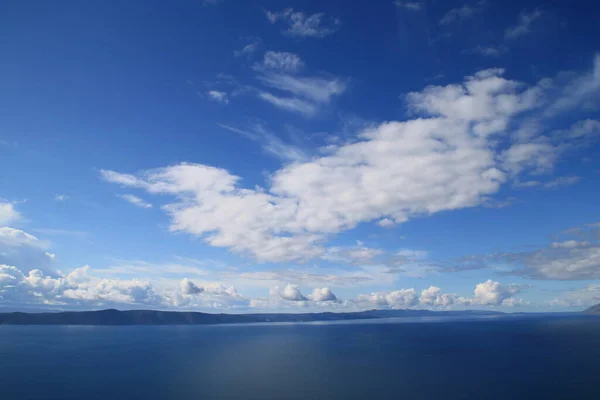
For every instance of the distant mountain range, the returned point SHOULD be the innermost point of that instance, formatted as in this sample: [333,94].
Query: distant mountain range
[150,317]
[593,310]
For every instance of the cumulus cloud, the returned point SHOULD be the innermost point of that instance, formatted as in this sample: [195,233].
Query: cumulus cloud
[188,287]
[523,25]
[433,297]
[451,158]
[80,289]
[536,157]
[488,294]
[494,293]
[23,250]
[322,294]
[8,213]
[403,298]
[290,292]
[300,24]
[386,223]
[136,201]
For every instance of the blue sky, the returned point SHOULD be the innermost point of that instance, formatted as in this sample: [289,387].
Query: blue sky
[302,156]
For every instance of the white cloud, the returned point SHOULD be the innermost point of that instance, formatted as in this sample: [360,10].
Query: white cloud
[290,292]
[486,99]
[322,294]
[386,223]
[15,237]
[136,201]
[494,293]
[449,160]
[280,61]
[83,289]
[403,298]
[61,197]
[523,26]
[301,25]
[410,5]
[219,97]
[8,214]
[289,103]
[25,251]
[537,157]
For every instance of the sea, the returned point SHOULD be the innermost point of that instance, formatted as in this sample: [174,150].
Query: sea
[499,357]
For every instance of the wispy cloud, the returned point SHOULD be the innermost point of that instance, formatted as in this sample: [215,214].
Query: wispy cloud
[460,14]
[271,143]
[248,49]
[61,197]
[555,183]
[319,90]
[487,51]
[136,201]
[523,25]
[300,24]
[410,5]
[218,96]
[62,232]
[289,103]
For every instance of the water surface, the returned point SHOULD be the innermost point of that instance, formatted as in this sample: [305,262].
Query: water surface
[483,358]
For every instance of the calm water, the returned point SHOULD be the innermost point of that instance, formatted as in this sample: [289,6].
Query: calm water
[514,358]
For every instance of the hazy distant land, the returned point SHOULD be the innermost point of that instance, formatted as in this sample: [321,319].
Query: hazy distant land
[151,317]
